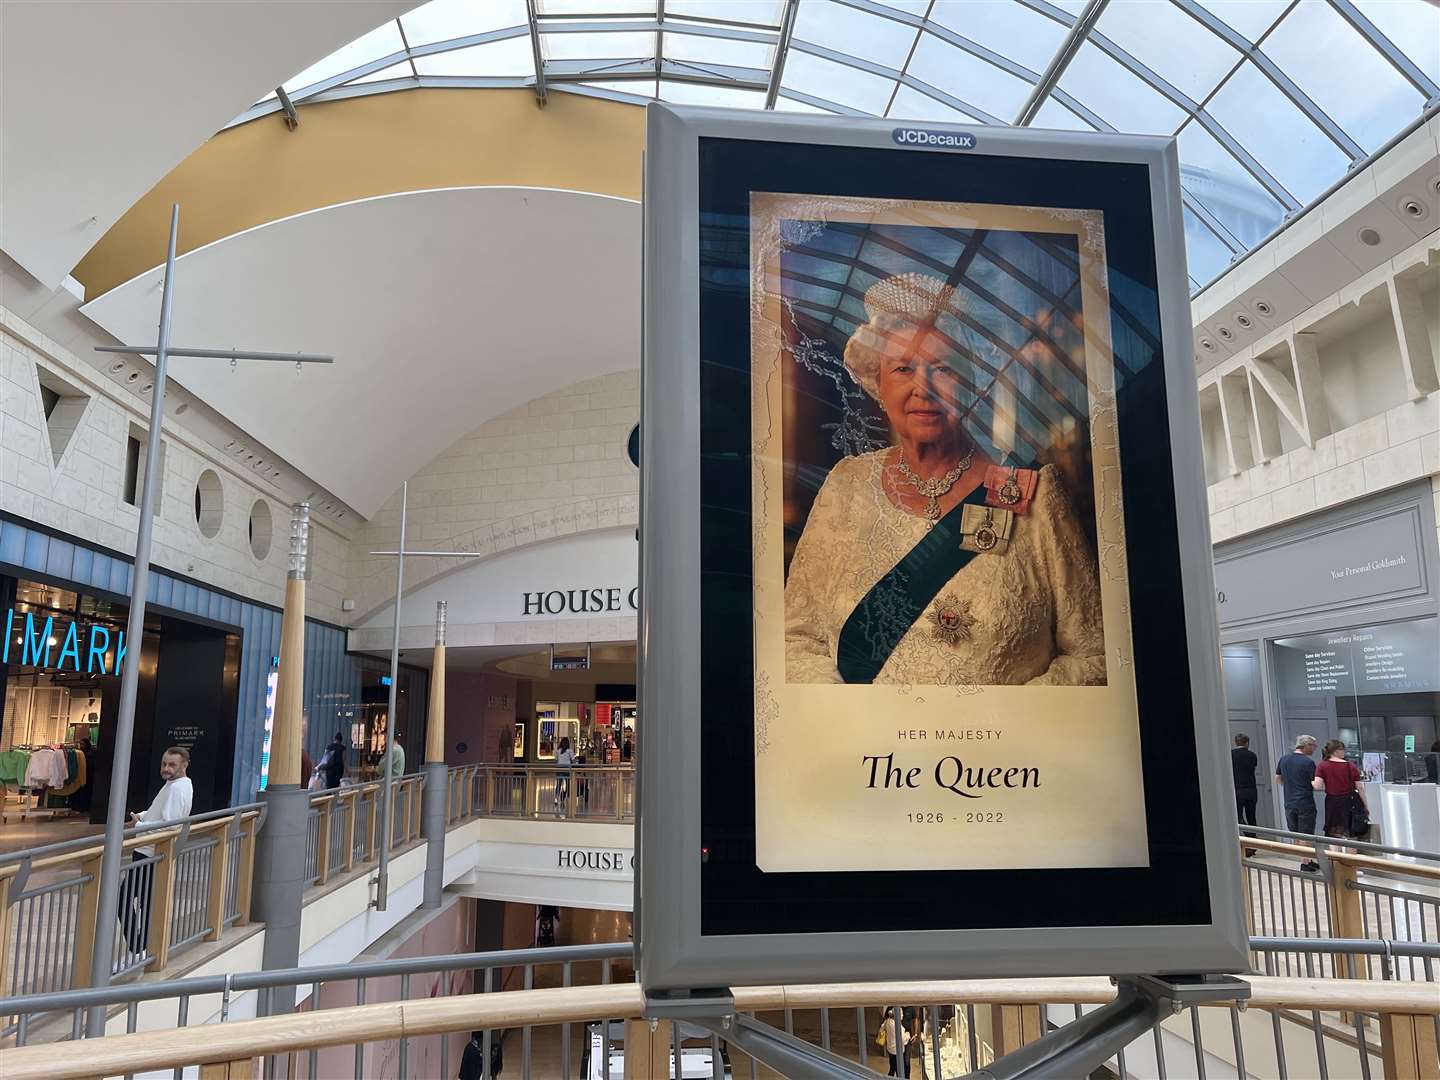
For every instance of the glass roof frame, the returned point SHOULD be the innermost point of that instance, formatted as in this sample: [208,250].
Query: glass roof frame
[596,23]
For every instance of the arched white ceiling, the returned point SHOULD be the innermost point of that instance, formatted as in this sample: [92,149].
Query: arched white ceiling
[442,308]
[99,99]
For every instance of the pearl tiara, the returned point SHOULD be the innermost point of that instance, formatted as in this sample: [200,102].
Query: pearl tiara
[913,296]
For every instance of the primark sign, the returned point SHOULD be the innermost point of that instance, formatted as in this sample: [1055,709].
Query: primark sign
[91,649]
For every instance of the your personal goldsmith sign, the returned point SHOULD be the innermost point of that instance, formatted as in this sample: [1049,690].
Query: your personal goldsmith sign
[85,649]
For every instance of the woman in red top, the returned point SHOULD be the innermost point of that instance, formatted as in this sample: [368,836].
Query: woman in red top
[1339,779]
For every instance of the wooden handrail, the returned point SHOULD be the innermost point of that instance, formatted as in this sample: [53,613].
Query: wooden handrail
[242,1039]
[1389,866]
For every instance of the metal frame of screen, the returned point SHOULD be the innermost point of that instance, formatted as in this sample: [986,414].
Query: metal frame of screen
[673,951]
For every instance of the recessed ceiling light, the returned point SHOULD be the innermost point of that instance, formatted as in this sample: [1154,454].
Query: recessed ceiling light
[1243,321]
[132,376]
[1369,237]
[1413,208]
[1207,344]
[117,367]
[182,408]
[1225,333]
[1264,308]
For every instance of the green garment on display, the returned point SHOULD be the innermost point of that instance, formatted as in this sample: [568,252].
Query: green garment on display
[12,766]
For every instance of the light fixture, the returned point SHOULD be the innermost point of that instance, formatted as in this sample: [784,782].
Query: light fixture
[1369,237]
[132,376]
[1243,321]
[117,367]
[1207,344]
[1264,308]
[1413,208]
[1226,334]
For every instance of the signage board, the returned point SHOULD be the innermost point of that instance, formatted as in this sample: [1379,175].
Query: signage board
[61,644]
[924,556]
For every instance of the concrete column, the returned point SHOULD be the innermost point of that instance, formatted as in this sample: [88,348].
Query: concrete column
[280,846]
[433,801]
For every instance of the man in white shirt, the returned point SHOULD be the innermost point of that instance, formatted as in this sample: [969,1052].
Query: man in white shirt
[172,803]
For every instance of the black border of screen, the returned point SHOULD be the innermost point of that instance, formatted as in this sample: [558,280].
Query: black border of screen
[736,898]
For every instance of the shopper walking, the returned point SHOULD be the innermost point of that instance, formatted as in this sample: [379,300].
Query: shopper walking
[171,803]
[333,763]
[1296,771]
[887,1038]
[1344,793]
[564,760]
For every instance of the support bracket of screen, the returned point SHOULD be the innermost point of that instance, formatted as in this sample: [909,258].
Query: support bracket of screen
[1076,1049]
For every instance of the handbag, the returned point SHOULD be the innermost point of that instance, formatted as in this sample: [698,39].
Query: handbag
[1359,817]
[880,1036]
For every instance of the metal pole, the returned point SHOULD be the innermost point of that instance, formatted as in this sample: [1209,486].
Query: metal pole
[382,887]
[103,954]
[434,800]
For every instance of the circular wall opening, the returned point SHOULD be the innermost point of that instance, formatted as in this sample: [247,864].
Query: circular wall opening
[209,503]
[632,446]
[261,529]
[1370,237]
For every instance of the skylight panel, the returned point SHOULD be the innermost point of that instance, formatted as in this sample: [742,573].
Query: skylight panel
[595,7]
[974,81]
[1170,43]
[789,104]
[1005,27]
[911,104]
[1296,152]
[1343,74]
[443,20]
[1205,255]
[711,50]
[1118,96]
[838,83]
[760,12]
[513,56]
[1250,18]
[382,41]
[582,46]
[855,33]
[1414,28]
[1056,117]
[1213,176]
[683,93]
[401,70]
[639,90]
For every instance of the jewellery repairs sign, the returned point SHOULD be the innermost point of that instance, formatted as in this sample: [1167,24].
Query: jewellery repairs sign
[910,492]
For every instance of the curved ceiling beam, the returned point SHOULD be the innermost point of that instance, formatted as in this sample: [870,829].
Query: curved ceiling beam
[443,309]
[375,145]
[90,113]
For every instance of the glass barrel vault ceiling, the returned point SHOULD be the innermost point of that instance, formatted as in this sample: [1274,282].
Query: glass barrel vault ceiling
[1272,100]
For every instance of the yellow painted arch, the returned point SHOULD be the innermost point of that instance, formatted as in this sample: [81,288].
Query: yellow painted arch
[377,144]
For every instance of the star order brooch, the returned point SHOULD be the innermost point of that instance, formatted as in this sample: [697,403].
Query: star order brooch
[953,621]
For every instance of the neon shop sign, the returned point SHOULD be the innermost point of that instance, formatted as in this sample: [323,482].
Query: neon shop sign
[85,650]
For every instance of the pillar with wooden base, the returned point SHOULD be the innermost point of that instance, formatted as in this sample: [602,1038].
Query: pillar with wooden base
[433,798]
[280,879]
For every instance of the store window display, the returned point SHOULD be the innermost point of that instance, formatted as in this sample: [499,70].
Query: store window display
[1375,690]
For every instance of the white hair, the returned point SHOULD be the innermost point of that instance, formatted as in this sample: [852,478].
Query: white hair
[1306,740]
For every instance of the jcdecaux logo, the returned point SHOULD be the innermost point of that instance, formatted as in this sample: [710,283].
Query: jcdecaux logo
[947,140]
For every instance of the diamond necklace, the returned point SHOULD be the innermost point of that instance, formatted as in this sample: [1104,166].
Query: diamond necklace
[936,486]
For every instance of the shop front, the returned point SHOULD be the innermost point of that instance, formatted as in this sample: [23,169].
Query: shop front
[60,671]
[1329,628]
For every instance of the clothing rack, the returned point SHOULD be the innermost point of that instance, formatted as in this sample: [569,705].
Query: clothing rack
[31,805]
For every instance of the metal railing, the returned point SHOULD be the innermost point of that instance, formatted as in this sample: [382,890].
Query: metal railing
[1310,887]
[575,1011]
[543,792]
[196,882]
[183,882]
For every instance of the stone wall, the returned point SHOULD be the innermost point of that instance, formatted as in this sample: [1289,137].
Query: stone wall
[556,466]
[69,474]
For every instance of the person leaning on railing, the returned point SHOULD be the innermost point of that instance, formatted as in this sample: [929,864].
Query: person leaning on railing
[172,802]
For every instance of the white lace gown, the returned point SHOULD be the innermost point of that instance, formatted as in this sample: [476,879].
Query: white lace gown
[1030,614]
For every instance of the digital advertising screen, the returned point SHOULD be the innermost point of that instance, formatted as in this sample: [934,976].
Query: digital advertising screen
[927,601]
